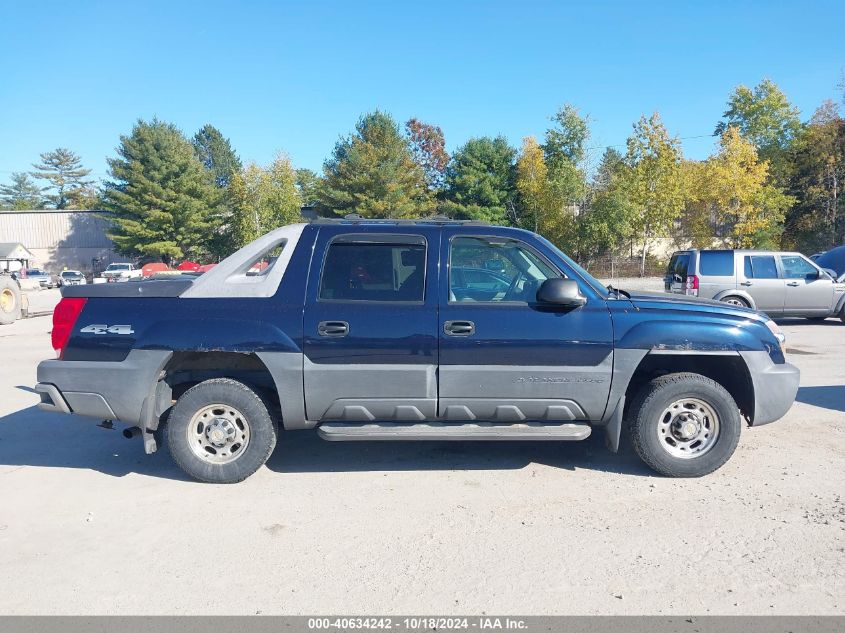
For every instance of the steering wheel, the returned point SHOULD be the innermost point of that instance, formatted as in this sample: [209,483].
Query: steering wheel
[509,293]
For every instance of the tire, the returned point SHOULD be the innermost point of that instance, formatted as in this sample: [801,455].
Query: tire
[221,431]
[705,405]
[10,300]
[735,301]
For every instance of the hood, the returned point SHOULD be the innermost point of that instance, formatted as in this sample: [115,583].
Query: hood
[667,301]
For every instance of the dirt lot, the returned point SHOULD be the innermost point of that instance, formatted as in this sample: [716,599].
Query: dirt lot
[89,524]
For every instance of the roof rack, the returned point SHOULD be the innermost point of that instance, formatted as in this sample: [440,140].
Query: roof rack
[354,218]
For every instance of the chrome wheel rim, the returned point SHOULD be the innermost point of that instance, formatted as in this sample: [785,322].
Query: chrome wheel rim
[218,434]
[7,300]
[688,428]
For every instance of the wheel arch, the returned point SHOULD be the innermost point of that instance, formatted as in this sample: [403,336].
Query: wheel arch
[735,292]
[728,370]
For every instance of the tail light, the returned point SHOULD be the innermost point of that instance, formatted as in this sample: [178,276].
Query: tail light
[692,285]
[64,318]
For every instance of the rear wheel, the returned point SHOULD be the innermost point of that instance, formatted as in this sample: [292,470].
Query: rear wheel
[221,431]
[736,301]
[10,300]
[684,425]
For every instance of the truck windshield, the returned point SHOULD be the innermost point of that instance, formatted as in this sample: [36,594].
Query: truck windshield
[594,283]
[118,267]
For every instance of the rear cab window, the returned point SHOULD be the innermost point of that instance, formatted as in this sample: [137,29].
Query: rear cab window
[371,270]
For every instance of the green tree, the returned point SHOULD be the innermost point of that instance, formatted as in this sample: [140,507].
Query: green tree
[372,173]
[308,182]
[22,193]
[160,197]
[765,117]
[264,199]
[480,181]
[653,182]
[63,170]
[428,147]
[216,154]
[817,221]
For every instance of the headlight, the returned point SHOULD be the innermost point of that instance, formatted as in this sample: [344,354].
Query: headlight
[780,336]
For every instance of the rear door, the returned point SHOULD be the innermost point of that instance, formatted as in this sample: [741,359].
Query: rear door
[715,272]
[503,358]
[370,325]
[760,278]
[807,291]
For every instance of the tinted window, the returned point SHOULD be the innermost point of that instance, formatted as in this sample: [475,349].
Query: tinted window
[357,271]
[716,263]
[833,259]
[495,270]
[795,267]
[760,267]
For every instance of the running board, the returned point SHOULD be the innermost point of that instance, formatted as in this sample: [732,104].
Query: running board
[439,431]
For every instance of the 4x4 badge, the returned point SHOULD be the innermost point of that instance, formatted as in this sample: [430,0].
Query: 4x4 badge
[107,329]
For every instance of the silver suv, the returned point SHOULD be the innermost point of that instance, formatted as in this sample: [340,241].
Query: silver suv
[780,284]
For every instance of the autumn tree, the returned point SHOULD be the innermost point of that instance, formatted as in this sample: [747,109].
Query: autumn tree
[766,118]
[65,175]
[428,147]
[21,193]
[653,182]
[160,198]
[480,181]
[532,184]
[263,199]
[372,173]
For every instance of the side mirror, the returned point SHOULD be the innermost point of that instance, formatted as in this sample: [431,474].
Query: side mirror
[830,273]
[561,292]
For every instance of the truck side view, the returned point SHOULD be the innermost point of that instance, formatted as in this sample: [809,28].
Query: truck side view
[411,330]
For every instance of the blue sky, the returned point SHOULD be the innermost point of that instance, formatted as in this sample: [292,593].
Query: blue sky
[295,76]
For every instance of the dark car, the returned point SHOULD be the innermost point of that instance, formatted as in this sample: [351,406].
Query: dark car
[411,330]
[834,260]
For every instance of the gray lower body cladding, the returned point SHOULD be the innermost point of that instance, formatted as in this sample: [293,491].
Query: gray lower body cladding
[105,390]
[775,386]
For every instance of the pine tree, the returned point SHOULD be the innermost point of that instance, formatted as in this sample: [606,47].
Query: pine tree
[480,181]
[161,198]
[372,173]
[22,193]
[216,154]
[63,170]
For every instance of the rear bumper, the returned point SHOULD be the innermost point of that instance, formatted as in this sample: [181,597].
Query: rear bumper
[120,391]
[775,387]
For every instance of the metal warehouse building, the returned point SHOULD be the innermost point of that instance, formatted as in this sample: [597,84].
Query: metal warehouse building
[59,239]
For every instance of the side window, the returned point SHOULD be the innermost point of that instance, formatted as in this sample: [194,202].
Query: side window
[368,271]
[716,263]
[760,267]
[795,267]
[494,269]
[678,265]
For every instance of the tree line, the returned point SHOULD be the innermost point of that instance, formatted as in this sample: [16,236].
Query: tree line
[774,181]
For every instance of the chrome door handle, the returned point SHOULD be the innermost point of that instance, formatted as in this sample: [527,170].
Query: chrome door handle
[746,283]
[333,328]
[793,284]
[459,328]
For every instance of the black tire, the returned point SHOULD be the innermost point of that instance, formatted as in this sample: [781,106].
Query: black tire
[734,300]
[658,395]
[10,300]
[255,412]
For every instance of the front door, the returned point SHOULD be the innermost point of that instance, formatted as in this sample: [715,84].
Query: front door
[807,291]
[504,358]
[370,327]
[761,280]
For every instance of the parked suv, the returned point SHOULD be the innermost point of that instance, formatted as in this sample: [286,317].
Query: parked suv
[781,284]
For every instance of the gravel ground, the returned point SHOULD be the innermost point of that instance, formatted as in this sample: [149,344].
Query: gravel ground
[91,525]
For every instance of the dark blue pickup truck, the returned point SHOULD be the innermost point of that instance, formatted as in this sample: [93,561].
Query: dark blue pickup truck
[411,330]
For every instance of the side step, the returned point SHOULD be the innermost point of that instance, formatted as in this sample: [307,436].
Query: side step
[374,431]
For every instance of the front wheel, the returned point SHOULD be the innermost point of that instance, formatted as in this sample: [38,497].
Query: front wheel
[220,431]
[684,425]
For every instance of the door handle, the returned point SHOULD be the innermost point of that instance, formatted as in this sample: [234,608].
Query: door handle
[746,283]
[459,328]
[333,328]
[793,284]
